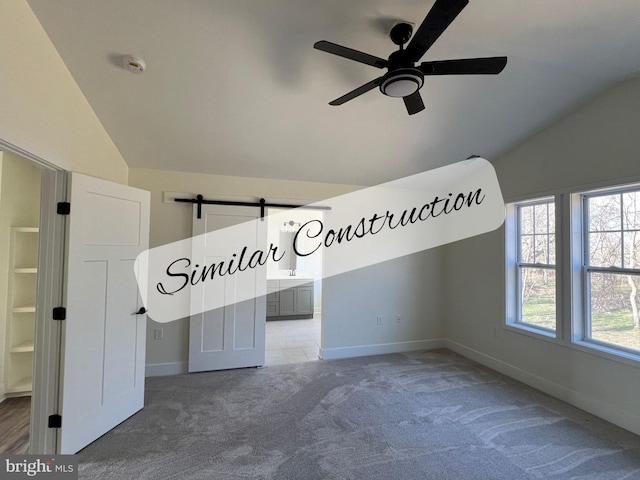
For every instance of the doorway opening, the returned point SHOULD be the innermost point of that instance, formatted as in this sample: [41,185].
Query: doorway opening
[294,292]
[31,258]
[20,184]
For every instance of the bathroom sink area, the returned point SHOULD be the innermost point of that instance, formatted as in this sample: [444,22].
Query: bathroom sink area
[289,296]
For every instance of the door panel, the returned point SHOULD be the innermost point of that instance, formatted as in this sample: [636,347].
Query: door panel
[103,349]
[232,336]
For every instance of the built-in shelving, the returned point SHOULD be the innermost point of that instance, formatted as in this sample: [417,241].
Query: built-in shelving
[23,309]
[23,261]
[24,347]
[25,270]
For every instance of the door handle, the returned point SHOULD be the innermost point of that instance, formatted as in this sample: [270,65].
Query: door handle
[142,311]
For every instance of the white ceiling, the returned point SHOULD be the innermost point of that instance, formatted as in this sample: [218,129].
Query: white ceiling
[234,87]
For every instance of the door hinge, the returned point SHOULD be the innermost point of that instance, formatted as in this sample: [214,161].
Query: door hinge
[59,313]
[63,208]
[55,421]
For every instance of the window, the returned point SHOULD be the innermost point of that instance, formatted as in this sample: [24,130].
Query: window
[611,226]
[582,288]
[531,255]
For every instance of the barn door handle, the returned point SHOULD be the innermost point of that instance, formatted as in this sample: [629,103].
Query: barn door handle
[142,311]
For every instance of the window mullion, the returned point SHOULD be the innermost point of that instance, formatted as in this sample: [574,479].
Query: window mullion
[621,232]
[614,270]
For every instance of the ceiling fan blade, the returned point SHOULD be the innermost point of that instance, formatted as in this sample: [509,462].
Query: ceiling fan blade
[413,103]
[357,92]
[465,66]
[350,53]
[437,20]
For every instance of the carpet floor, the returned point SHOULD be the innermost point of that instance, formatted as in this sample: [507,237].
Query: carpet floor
[424,415]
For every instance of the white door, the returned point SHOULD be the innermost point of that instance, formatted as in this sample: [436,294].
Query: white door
[232,336]
[103,339]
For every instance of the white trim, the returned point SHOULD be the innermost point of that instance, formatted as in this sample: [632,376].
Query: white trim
[380,349]
[618,417]
[9,147]
[46,358]
[164,369]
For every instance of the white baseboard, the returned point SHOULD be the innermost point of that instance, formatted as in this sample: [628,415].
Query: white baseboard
[380,349]
[164,369]
[618,417]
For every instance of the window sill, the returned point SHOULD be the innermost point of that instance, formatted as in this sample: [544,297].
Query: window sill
[532,331]
[603,351]
[584,346]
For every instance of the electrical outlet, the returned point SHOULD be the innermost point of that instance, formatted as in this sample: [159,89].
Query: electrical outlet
[158,334]
[379,319]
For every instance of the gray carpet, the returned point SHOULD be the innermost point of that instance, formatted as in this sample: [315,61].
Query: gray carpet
[428,415]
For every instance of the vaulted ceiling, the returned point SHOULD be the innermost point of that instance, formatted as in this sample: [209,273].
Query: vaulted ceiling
[235,87]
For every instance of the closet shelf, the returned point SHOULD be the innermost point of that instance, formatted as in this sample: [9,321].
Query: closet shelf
[25,270]
[23,347]
[23,309]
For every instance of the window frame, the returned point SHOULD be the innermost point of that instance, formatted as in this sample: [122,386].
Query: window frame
[582,326]
[571,298]
[514,266]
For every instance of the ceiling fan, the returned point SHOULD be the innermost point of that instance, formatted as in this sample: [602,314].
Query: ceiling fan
[404,78]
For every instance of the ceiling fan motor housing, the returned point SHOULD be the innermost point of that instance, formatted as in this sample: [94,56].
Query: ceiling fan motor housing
[403,78]
[402,82]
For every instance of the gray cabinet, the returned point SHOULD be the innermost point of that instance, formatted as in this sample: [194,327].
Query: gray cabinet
[289,299]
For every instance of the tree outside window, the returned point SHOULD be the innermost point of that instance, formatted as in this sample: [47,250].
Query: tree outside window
[612,265]
[536,259]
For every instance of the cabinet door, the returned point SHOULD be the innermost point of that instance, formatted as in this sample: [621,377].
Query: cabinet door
[273,309]
[305,300]
[288,301]
[273,298]
[272,291]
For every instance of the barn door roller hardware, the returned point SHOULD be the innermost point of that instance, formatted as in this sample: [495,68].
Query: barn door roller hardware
[262,204]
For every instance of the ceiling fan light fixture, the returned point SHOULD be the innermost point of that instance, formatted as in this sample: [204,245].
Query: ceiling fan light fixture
[402,82]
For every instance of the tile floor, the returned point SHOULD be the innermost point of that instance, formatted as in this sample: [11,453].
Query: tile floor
[293,341]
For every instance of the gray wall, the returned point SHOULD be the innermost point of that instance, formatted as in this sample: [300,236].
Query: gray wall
[597,145]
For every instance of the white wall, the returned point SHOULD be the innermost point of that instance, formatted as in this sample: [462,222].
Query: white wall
[599,143]
[42,109]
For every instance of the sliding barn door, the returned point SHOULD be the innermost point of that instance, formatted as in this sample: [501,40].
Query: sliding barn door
[232,336]
[103,350]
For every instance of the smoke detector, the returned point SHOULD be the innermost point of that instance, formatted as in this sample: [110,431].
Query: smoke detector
[133,64]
